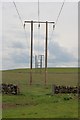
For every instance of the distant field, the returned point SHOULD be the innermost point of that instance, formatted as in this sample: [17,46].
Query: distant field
[61,76]
[36,101]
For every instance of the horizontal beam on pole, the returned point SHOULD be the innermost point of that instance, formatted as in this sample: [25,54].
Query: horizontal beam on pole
[39,22]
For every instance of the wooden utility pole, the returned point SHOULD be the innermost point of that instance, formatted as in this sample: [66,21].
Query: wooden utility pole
[31,60]
[46,52]
[32,47]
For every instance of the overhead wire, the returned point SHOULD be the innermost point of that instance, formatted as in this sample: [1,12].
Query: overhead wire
[38,25]
[23,25]
[57,19]
[38,10]
[18,13]
[60,12]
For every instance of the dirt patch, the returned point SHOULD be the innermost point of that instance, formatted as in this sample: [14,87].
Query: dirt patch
[8,105]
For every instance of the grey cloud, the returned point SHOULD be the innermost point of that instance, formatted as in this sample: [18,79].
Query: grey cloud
[18,45]
[60,54]
[21,57]
[15,36]
[16,59]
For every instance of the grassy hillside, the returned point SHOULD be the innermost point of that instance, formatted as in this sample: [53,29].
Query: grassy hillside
[36,101]
[65,76]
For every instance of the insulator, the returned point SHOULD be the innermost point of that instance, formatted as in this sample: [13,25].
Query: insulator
[24,25]
[53,27]
[39,25]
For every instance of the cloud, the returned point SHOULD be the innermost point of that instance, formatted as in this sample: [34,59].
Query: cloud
[20,57]
[15,58]
[18,44]
[16,47]
[58,55]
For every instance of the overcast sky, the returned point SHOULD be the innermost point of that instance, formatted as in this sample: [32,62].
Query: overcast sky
[62,42]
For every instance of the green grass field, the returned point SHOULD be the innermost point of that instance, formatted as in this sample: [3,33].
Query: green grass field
[36,101]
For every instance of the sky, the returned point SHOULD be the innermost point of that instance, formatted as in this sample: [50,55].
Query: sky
[62,42]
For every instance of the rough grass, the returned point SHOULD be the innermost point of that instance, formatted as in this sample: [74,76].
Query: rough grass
[61,76]
[36,101]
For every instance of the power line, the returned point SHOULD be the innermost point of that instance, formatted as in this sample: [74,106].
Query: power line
[38,24]
[38,10]
[60,11]
[18,13]
[23,25]
[57,18]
